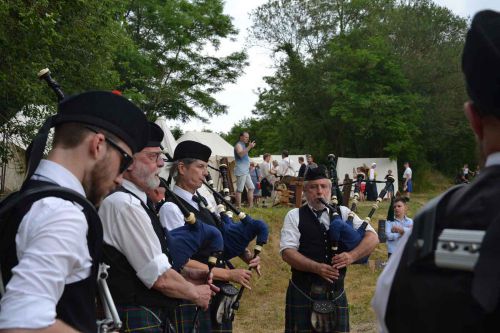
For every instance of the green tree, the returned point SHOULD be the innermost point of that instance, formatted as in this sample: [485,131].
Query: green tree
[172,72]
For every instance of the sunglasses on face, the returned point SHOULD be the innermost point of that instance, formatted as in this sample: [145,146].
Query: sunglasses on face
[126,160]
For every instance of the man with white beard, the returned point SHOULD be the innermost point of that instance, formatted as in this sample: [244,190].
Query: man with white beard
[142,281]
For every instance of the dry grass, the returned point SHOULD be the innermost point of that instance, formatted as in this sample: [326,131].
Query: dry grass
[262,309]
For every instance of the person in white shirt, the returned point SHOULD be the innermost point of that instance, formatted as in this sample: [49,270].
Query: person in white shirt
[408,182]
[189,170]
[317,271]
[141,279]
[51,287]
[416,293]
[285,166]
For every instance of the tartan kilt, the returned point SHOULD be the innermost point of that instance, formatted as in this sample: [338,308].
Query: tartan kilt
[298,312]
[138,319]
[184,316]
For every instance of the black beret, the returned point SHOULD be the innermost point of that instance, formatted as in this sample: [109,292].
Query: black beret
[155,135]
[316,173]
[481,61]
[109,112]
[192,149]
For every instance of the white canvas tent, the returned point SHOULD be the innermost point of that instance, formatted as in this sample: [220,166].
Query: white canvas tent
[345,165]
[168,141]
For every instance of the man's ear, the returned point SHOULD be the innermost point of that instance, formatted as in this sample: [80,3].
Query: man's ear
[475,120]
[181,168]
[97,143]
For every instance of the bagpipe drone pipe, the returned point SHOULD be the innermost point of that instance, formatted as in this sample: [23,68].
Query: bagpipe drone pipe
[237,235]
[343,233]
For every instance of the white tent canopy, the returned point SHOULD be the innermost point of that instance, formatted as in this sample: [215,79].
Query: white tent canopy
[220,147]
[168,141]
[345,166]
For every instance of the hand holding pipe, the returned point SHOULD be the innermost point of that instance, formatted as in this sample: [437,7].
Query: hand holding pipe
[236,304]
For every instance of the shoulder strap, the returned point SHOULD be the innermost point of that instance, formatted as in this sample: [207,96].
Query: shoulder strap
[22,200]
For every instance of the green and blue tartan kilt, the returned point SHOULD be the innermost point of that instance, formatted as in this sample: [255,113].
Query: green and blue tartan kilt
[137,318]
[298,312]
[184,316]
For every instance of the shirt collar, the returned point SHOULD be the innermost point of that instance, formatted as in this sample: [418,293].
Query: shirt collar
[128,185]
[186,195]
[493,159]
[314,210]
[56,173]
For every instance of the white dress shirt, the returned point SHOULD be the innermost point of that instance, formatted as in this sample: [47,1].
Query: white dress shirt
[290,234]
[127,227]
[171,216]
[52,251]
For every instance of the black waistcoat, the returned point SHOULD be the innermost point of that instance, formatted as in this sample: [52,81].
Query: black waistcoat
[205,216]
[315,245]
[125,286]
[76,307]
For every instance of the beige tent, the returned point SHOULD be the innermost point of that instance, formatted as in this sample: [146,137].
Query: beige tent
[220,149]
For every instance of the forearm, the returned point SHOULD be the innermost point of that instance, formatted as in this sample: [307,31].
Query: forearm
[58,327]
[172,284]
[367,245]
[221,274]
[300,262]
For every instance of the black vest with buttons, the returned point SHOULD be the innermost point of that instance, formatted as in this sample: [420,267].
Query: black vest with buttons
[126,288]
[315,245]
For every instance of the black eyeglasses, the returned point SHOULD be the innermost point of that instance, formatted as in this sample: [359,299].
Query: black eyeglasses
[126,158]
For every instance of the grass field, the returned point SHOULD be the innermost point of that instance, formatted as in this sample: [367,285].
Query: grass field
[262,309]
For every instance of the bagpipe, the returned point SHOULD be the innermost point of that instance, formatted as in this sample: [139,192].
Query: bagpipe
[332,172]
[111,321]
[343,234]
[183,242]
[237,236]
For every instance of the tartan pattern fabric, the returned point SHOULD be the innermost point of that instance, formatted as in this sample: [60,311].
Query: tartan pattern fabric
[184,315]
[298,312]
[141,319]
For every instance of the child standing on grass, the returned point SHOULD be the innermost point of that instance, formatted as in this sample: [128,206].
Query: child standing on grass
[395,229]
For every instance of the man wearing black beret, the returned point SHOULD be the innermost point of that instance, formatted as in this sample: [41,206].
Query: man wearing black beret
[413,293]
[145,287]
[317,271]
[50,267]
[189,170]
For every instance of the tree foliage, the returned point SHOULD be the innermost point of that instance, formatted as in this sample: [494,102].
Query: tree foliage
[161,54]
[364,78]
